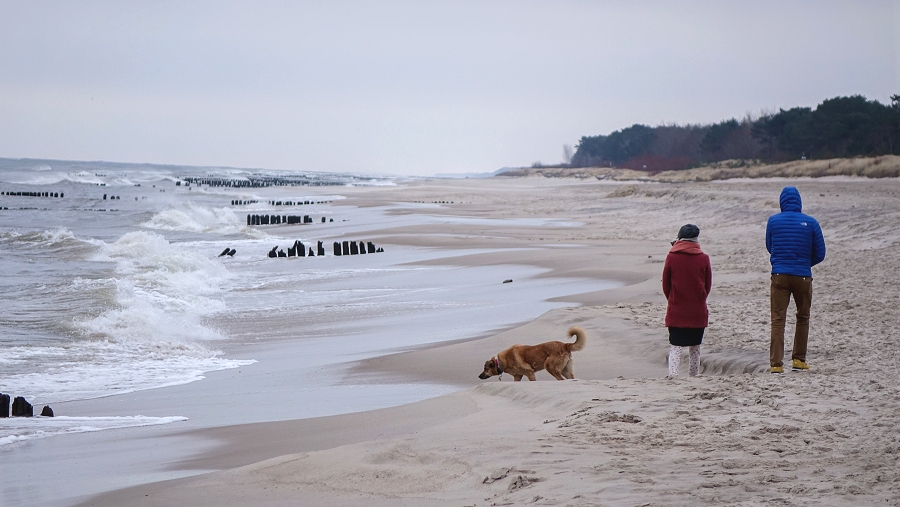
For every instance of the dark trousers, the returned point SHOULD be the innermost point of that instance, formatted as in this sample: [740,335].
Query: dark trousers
[782,288]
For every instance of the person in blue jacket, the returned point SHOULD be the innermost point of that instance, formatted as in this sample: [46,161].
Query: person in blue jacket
[795,244]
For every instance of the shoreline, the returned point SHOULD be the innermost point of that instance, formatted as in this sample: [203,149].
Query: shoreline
[729,436]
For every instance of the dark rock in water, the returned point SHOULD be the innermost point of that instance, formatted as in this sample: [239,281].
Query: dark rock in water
[21,408]
[345,247]
[4,405]
[321,249]
[379,250]
[323,220]
[301,249]
[225,252]
[281,253]
[249,220]
[508,280]
[47,411]
[274,252]
[311,253]
[337,248]
[104,197]
[362,247]
[371,247]
[354,248]
[331,220]
[292,251]
[231,252]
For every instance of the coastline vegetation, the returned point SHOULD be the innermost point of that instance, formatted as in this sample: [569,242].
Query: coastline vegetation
[838,128]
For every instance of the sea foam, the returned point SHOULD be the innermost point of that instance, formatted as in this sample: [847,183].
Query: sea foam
[150,334]
[191,217]
[19,429]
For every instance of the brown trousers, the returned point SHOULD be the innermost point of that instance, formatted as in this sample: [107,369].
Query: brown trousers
[782,288]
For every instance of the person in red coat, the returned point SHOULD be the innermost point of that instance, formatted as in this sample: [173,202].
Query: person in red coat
[686,282]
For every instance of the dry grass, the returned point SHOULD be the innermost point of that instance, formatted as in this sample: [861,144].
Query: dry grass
[871,167]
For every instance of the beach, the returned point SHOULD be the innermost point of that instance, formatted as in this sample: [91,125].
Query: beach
[315,253]
[621,433]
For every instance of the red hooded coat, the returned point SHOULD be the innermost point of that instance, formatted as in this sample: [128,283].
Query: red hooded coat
[686,282]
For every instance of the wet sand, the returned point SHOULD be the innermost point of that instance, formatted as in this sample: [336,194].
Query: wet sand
[621,434]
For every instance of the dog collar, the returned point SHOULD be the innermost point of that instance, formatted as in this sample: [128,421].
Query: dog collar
[497,364]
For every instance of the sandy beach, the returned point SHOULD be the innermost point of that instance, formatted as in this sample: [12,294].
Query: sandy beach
[621,433]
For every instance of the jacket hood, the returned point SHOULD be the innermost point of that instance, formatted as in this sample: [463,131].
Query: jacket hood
[687,247]
[790,200]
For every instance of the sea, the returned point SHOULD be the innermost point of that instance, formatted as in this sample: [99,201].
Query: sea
[113,281]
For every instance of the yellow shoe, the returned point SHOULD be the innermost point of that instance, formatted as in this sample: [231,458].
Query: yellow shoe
[799,365]
[776,369]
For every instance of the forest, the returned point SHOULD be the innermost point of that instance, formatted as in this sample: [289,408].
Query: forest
[837,128]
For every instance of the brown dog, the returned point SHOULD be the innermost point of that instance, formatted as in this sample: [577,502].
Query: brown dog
[524,360]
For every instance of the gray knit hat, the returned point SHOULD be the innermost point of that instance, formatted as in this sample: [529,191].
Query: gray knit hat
[688,231]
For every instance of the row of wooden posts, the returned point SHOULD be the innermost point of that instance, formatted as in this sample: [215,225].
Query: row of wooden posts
[281,219]
[34,194]
[298,249]
[20,408]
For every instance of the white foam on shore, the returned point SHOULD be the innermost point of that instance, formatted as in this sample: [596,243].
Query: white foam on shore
[20,429]
[93,369]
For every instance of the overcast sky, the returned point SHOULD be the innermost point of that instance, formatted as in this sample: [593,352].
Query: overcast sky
[412,87]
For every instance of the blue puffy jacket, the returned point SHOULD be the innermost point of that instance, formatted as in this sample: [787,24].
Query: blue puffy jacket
[794,240]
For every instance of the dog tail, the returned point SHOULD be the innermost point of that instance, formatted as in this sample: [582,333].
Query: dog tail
[580,338]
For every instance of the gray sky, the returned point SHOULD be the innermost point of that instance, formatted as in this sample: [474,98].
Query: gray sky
[412,87]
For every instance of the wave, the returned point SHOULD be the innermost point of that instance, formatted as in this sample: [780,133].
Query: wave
[59,241]
[150,333]
[191,217]
[59,237]
[19,429]
[162,290]
[94,369]
[46,175]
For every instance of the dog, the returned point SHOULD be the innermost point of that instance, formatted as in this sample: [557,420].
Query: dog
[524,360]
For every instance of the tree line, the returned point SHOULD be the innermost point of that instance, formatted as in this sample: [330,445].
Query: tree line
[836,128]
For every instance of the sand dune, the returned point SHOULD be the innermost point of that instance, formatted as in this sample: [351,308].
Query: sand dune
[621,434]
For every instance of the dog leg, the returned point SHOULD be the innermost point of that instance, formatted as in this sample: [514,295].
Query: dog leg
[530,376]
[517,377]
[567,371]
[553,368]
